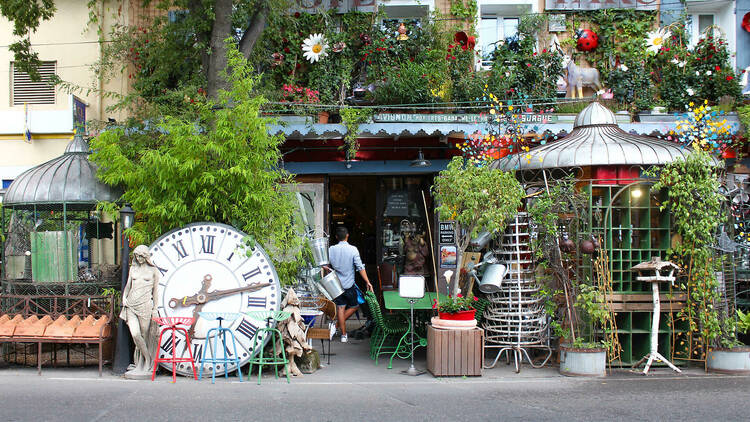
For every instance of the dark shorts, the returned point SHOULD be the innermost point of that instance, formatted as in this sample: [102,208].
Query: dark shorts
[348,298]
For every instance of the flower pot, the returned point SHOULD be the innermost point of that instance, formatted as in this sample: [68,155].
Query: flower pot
[459,316]
[323,116]
[729,361]
[583,362]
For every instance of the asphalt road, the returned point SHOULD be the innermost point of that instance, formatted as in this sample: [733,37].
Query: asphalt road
[58,396]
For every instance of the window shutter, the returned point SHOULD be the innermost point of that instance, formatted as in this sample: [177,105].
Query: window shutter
[34,92]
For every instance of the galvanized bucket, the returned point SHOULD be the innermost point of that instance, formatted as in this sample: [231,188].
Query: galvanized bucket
[492,278]
[583,362]
[319,248]
[330,286]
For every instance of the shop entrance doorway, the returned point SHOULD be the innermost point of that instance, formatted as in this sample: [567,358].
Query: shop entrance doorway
[386,219]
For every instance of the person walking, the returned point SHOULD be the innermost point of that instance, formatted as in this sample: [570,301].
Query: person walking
[346,261]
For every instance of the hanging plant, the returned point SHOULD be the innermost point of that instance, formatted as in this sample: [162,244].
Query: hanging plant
[352,118]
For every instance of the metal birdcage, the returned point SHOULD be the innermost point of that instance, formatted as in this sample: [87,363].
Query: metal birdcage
[55,241]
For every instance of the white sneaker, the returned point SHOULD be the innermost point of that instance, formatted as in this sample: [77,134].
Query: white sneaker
[344,338]
[332,330]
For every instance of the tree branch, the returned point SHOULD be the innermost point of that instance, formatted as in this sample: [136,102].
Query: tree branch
[253,31]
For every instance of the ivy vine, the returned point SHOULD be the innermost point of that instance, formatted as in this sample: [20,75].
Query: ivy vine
[351,118]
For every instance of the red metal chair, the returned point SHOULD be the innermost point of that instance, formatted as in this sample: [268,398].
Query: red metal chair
[172,324]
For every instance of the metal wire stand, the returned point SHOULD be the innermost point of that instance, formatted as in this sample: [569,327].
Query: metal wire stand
[515,320]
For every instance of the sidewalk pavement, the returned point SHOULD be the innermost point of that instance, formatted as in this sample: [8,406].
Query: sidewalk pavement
[351,364]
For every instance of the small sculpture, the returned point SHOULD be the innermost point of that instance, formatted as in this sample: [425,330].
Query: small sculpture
[402,32]
[293,332]
[416,253]
[587,40]
[578,77]
[138,309]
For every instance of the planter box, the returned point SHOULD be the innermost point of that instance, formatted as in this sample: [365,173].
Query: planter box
[583,362]
[455,352]
[729,361]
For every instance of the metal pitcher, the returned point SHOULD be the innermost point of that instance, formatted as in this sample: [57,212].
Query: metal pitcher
[319,248]
[330,286]
[493,278]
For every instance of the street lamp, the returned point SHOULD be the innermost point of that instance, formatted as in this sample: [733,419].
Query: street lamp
[122,347]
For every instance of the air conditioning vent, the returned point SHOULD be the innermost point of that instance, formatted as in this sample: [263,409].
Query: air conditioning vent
[34,92]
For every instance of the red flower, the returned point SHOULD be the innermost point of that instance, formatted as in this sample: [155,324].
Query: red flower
[717,68]
[729,78]
[286,49]
[453,57]
[434,303]
[296,14]
[475,299]
[528,64]
[459,295]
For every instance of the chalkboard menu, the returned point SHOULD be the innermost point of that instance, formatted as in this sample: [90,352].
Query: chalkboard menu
[447,233]
[397,204]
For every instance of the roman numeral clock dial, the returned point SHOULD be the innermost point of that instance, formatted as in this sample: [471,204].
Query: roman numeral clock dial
[205,267]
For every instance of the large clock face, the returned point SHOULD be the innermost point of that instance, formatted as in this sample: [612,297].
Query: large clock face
[205,267]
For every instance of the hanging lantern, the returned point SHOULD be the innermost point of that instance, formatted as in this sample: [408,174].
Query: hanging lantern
[587,40]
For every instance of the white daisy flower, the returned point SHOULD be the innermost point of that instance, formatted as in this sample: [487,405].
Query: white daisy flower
[697,73]
[690,92]
[315,47]
[682,64]
[709,73]
[623,68]
[656,39]
[675,61]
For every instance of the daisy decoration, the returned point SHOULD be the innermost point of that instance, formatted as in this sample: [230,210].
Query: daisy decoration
[315,47]
[655,40]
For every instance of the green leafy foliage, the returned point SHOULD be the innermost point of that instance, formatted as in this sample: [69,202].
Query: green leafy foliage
[694,202]
[26,16]
[215,162]
[352,118]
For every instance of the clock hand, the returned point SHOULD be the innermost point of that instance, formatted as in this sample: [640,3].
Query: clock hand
[203,297]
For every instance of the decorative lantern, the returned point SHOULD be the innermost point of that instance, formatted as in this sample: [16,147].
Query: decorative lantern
[587,40]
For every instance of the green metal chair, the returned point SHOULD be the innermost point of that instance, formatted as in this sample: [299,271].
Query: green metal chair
[388,329]
[480,306]
[275,337]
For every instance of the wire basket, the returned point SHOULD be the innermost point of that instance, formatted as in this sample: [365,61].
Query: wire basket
[172,321]
[225,316]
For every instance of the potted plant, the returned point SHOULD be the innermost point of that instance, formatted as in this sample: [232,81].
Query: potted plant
[586,356]
[729,355]
[458,307]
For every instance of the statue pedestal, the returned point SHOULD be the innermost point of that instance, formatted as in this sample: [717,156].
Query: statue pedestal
[137,375]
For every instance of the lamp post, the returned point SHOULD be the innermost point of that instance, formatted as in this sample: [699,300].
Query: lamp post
[122,347]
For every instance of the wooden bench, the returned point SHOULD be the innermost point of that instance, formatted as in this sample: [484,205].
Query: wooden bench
[56,320]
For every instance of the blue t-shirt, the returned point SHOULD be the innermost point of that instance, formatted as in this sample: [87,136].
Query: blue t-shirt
[346,261]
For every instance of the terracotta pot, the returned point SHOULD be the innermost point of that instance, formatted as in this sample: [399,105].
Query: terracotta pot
[458,316]
[323,116]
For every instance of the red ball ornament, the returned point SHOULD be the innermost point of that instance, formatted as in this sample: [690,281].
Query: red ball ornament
[587,40]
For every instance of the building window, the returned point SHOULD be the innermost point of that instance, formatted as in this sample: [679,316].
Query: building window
[493,29]
[24,90]
[698,24]
[6,183]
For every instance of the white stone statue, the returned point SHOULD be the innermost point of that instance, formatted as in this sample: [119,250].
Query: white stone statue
[138,309]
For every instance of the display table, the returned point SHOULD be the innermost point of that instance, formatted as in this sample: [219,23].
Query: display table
[455,352]
[394,302]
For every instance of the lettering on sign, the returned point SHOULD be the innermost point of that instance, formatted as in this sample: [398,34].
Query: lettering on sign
[447,232]
[458,118]
[340,6]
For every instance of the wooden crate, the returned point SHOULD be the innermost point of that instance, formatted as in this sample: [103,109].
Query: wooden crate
[455,352]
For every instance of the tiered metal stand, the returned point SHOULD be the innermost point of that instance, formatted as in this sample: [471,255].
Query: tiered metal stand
[515,320]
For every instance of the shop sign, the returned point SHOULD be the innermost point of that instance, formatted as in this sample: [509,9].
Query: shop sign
[456,118]
[447,232]
[79,114]
[601,4]
[397,204]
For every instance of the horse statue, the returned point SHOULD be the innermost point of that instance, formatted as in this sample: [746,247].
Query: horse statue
[578,77]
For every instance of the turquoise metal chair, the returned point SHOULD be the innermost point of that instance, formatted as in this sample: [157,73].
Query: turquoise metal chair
[219,332]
